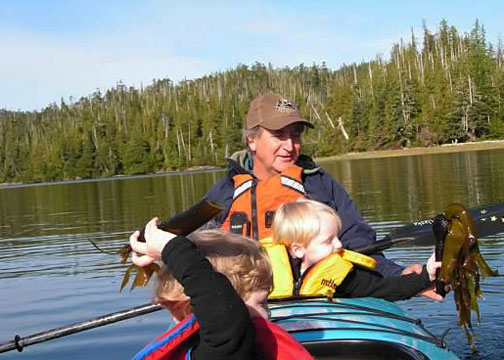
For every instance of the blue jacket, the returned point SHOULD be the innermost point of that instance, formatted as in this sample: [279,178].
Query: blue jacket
[319,186]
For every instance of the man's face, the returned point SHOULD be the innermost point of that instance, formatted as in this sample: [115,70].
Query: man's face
[275,150]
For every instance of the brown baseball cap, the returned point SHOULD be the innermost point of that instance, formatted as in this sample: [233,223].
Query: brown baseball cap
[273,112]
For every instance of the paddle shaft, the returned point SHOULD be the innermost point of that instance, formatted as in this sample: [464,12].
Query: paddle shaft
[489,220]
[21,342]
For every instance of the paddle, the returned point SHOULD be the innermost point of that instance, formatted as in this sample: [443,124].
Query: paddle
[19,343]
[489,220]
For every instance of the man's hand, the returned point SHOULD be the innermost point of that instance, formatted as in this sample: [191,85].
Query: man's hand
[429,292]
[144,253]
[417,268]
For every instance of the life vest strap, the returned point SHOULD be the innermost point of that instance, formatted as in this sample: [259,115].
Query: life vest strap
[293,184]
[242,188]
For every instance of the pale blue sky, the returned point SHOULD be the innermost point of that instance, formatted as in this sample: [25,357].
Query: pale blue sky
[53,49]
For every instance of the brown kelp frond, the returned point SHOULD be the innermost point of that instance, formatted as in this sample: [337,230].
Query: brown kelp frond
[114,252]
[463,265]
[125,252]
[180,224]
[126,277]
[486,271]
[143,274]
[454,240]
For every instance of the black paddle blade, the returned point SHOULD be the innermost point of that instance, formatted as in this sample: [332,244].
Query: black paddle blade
[489,220]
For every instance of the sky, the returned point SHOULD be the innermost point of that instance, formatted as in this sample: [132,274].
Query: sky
[53,50]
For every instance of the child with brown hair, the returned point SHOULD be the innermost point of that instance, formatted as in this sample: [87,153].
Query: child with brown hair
[246,267]
[215,284]
[308,259]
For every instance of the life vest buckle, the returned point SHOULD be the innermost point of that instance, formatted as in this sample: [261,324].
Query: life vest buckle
[238,221]
[268,219]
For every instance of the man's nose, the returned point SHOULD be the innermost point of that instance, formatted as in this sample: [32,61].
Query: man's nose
[289,144]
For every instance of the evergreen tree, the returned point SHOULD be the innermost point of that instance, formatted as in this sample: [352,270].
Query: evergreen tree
[447,88]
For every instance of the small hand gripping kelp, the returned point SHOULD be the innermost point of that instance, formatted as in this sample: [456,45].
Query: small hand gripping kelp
[462,262]
[181,224]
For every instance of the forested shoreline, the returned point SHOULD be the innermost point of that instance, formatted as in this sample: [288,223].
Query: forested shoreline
[448,88]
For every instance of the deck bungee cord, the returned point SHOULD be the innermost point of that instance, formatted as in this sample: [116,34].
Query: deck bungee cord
[292,304]
[376,327]
[362,311]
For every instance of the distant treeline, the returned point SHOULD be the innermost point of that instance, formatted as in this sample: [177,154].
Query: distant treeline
[450,88]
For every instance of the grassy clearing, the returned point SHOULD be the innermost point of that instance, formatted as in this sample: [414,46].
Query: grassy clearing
[450,148]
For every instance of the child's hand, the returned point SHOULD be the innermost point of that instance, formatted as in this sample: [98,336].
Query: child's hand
[432,266]
[144,253]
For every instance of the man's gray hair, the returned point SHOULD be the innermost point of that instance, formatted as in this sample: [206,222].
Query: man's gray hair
[246,133]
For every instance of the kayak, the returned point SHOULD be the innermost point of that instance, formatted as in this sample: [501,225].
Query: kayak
[360,328]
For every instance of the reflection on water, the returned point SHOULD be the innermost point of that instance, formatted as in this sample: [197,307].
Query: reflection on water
[416,187]
[51,275]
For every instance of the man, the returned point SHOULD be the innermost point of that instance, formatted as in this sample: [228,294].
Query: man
[272,171]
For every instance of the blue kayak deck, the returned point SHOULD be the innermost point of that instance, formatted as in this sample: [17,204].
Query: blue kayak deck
[342,326]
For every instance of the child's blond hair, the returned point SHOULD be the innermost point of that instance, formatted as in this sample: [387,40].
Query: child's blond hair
[240,259]
[299,222]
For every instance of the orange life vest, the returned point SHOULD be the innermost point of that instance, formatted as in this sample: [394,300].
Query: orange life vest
[255,201]
[175,344]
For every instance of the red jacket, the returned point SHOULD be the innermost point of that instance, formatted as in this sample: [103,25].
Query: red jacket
[274,342]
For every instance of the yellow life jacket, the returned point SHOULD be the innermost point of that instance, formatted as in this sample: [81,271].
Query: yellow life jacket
[255,202]
[322,279]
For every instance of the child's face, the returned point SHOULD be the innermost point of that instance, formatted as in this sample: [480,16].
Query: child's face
[325,243]
[256,304]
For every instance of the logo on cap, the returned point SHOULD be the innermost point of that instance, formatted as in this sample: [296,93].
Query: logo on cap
[284,105]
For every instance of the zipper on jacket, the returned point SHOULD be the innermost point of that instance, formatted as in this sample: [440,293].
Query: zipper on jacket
[297,286]
[299,282]
[255,229]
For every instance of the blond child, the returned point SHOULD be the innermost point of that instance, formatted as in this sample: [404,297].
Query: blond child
[309,231]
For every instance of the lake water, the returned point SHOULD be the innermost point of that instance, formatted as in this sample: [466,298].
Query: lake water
[51,276]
